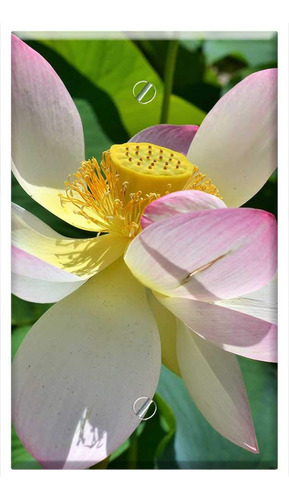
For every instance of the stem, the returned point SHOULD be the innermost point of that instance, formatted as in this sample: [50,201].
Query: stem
[132,452]
[169,78]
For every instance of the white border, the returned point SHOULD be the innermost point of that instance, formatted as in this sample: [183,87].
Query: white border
[181,16]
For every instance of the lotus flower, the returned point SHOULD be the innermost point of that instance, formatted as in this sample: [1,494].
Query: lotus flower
[177,274]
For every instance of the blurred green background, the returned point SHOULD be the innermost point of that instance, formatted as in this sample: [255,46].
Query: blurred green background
[100,75]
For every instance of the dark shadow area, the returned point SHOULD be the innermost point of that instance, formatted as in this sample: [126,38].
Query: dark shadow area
[142,451]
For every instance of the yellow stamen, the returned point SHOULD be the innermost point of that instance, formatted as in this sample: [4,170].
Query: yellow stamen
[114,195]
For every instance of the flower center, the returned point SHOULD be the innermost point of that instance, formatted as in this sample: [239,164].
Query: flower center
[113,196]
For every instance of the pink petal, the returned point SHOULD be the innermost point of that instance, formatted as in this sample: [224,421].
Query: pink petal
[206,255]
[214,381]
[47,135]
[37,281]
[176,137]
[236,144]
[178,203]
[230,330]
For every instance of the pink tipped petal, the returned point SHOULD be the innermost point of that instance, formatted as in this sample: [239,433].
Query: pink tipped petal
[206,255]
[178,203]
[230,330]
[236,144]
[36,281]
[214,381]
[80,369]
[176,137]
[47,135]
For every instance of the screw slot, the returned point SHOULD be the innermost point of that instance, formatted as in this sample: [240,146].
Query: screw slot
[144,91]
[141,406]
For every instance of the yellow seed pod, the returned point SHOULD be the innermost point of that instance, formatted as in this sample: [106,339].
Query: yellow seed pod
[149,168]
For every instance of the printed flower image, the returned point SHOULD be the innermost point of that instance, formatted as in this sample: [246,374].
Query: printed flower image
[144,253]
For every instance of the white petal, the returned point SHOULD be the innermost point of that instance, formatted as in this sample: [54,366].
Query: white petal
[167,326]
[234,331]
[236,144]
[80,369]
[214,381]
